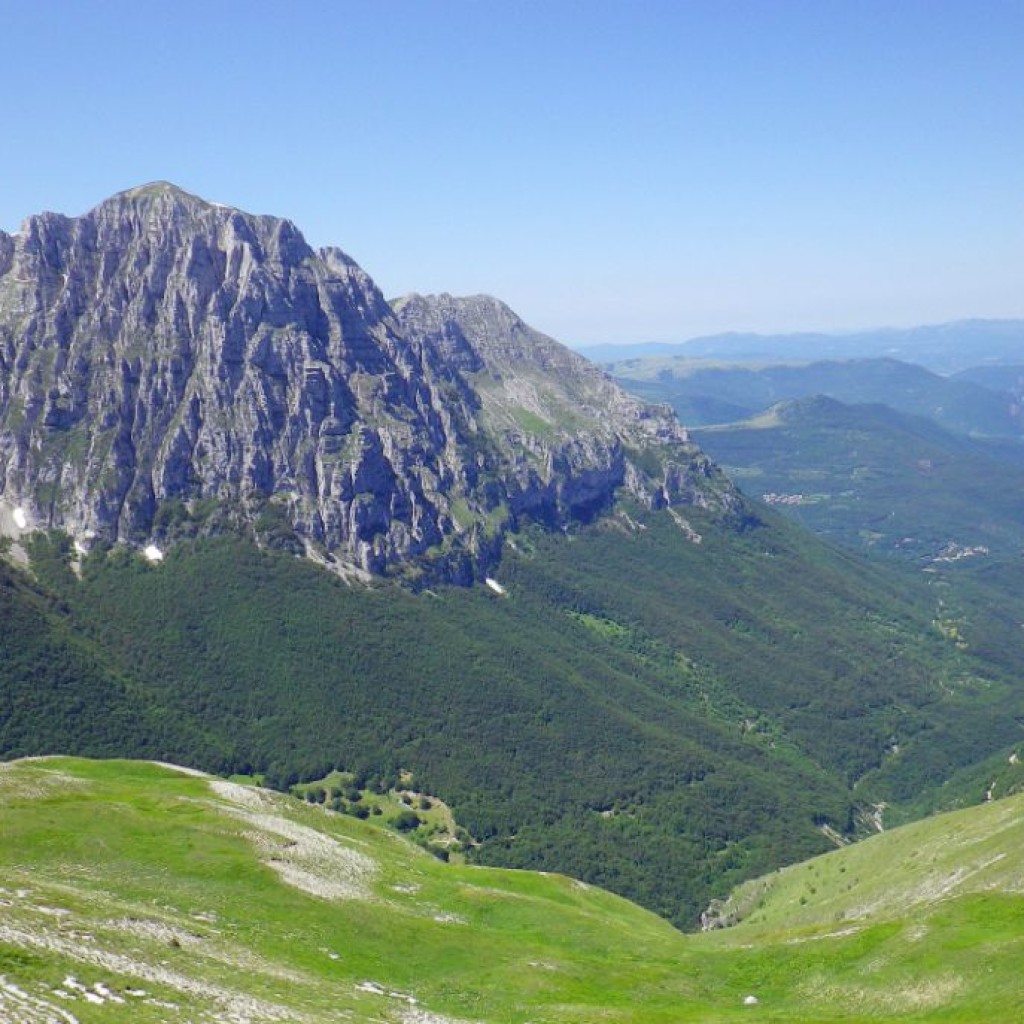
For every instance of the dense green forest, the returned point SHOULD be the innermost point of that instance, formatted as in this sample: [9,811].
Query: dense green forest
[658,715]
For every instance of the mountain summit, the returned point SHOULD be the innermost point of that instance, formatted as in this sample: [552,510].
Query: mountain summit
[165,360]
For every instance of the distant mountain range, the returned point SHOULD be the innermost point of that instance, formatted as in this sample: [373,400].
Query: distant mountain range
[703,394]
[944,348]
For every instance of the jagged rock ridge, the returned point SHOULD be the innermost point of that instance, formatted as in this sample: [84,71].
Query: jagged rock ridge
[162,352]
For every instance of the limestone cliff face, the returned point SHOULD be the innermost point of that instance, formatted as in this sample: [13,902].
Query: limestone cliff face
[164,353]
[562,434]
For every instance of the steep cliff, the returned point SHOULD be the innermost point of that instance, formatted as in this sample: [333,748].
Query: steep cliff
[162,357]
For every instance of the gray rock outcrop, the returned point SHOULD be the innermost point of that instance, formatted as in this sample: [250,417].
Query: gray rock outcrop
[164,353]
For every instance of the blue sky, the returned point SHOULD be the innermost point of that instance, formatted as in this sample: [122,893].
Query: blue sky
[616,172]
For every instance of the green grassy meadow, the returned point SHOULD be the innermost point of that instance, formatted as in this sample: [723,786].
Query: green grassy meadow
[134,891]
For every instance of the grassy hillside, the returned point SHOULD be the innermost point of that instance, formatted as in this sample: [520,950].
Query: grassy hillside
[922,923]
[187,899]
[134,892]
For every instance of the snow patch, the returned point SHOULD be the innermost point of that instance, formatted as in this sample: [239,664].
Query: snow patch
[495,586]
[153,553]
[20,519]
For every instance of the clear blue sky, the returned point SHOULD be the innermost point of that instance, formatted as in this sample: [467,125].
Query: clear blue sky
[616,172]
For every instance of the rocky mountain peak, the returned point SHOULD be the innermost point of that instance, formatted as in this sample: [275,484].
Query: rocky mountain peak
[489,327]
[160,190]
[549,381]
[159,197]
[165,360]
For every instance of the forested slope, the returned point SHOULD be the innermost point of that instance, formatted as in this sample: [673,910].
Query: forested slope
[658,714]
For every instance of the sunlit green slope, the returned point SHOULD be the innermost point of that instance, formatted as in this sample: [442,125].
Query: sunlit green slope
[190,898]
[925,922]
[136,892]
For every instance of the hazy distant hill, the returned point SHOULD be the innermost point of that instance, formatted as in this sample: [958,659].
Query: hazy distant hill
[1007,378]
[702,394]
[873,478]
[944,348]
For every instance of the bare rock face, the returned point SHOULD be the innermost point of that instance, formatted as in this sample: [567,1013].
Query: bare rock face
[164,354]
[563,435]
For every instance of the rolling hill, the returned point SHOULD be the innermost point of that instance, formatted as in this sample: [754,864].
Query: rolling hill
[140,892]
[703,394]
